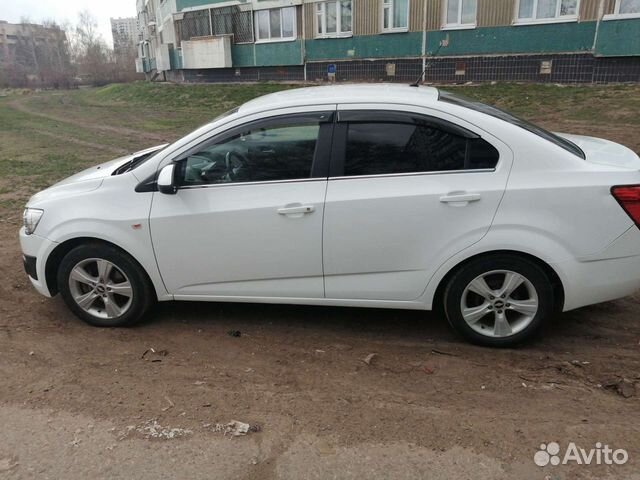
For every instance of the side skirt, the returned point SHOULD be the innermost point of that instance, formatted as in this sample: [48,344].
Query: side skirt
[333,302]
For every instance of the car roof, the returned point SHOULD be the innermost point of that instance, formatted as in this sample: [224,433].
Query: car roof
[353,93]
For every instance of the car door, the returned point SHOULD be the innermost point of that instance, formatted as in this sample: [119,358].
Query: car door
[246,220]
[407,190]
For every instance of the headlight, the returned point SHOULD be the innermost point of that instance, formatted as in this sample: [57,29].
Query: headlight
[31,217]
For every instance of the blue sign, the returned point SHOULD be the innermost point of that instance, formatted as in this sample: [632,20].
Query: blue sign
[331,68]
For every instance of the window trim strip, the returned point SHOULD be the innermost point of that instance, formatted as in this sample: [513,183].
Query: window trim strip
[416,174]
[238,184]
[327,179]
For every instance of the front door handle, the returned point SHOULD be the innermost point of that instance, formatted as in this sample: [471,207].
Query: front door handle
[461,197]
[296,210]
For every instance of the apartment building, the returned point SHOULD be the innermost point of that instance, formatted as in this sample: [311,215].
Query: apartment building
[32,54]
[126,33]
[392,40]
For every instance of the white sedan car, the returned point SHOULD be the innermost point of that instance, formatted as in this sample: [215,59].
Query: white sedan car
[362,196]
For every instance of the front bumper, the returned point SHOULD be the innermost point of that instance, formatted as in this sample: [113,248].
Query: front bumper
[35,251]
[30,266]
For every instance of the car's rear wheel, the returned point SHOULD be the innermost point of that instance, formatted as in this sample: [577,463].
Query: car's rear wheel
[104,286]
[499,301]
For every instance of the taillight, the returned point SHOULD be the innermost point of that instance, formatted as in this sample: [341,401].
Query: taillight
[628,196]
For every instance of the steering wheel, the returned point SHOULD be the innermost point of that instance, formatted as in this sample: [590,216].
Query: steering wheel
[234,161]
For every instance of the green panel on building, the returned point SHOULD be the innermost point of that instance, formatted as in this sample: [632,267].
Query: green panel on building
[370,46]
[243,55]
[182,4]
[175,59]
[267,54]
[549,38]
[280,53]
[617,38]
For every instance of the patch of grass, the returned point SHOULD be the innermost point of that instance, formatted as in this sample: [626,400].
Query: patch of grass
[36,151]
[49,166]
[597,104]
[12,204]
[215,98]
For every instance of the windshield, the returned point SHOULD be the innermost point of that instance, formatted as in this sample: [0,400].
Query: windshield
[143,158]
[507,117]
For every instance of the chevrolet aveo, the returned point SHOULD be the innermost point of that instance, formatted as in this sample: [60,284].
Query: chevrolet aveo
[361,196]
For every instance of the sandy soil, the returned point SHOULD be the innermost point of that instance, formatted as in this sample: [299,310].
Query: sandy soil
[75,400]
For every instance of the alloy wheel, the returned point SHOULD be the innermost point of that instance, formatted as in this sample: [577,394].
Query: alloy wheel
[499,303]
[100,288]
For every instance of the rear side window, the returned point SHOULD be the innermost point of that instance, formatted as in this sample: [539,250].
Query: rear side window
[465,102]
[379,148]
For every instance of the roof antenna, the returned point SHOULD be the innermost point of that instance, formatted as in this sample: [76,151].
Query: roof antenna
[443,43]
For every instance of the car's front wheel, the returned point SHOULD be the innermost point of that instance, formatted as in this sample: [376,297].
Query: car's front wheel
[499,301]
[104,286]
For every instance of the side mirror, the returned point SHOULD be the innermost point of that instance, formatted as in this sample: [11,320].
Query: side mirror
[166,182]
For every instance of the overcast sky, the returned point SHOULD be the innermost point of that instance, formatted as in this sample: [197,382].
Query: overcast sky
[61,10]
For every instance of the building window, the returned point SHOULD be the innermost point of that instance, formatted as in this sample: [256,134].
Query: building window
[218,21]
[395,15]
[627,7]
[533,11]
[460,13]
[333,19]
[276,24]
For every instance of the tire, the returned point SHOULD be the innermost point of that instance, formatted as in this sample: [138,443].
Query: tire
[495,314]
[104,286]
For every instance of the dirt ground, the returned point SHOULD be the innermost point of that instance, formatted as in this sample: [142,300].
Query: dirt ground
[151,402]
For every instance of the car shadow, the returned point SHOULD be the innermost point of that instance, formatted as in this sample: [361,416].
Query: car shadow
[409,325]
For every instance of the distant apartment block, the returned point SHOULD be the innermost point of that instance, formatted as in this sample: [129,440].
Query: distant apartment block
[126,33]
[566,41]
[33,54]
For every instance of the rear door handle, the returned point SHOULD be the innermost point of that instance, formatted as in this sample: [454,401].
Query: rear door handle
[296,210]
[461,197]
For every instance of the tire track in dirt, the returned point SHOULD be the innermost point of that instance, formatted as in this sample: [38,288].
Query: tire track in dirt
[21,107]
[84,143]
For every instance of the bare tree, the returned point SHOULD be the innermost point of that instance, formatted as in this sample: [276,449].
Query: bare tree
[87,30]
[91,54]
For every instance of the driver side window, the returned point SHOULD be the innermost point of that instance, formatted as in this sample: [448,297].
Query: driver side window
[260,152]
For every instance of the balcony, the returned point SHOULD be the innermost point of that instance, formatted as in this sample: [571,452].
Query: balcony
[207,52]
